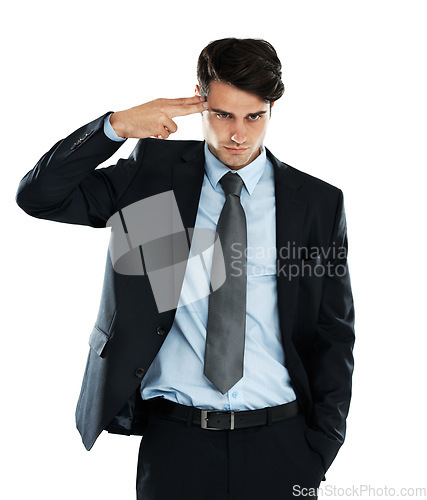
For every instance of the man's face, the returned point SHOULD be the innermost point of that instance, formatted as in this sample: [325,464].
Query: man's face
[235,124]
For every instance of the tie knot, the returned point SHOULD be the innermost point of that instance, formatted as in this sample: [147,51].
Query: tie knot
[232,184]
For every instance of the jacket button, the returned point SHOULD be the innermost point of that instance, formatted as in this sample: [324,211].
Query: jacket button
[160,330]
[139,372]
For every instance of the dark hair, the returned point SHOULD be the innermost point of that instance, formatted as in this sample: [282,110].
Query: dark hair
[246,63]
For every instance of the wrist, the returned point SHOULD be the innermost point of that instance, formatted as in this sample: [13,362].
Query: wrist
[118,125]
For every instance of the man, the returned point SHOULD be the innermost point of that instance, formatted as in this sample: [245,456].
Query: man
[270,348]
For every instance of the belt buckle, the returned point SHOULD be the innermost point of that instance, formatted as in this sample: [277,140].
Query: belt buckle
[205,417]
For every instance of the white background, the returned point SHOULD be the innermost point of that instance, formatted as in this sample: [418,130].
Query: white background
[354,114]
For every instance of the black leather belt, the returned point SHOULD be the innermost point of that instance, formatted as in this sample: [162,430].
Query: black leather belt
[222,419]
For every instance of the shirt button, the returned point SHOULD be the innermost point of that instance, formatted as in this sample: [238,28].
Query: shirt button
[234,394]
[139,372]
[227,407]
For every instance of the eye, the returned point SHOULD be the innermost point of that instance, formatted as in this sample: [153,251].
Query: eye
[253,118]
[222,115]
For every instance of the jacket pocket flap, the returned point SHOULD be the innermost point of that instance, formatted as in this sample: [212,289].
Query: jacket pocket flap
[98,340]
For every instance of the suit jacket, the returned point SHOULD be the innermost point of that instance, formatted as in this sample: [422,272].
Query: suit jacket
[315,311]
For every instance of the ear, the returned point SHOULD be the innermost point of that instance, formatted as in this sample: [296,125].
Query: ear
[272,104]
[197,91]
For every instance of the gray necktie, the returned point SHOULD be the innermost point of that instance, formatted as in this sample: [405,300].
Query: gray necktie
[225,336]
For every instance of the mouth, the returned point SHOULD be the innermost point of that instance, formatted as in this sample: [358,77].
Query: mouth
[236,150]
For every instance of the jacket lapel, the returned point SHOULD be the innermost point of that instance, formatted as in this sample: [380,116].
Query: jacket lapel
[187,180]
[290,213]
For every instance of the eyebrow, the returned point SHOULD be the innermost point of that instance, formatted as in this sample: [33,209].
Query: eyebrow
[221,111]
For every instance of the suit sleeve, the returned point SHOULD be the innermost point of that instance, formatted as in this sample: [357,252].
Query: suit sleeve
[64,185]
[332,358]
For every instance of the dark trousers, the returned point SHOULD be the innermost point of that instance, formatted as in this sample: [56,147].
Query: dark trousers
[178,461]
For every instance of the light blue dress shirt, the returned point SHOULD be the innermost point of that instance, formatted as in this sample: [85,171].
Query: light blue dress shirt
[177,371]
[110,132]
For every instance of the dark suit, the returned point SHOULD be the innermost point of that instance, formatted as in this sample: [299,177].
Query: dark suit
[316,312]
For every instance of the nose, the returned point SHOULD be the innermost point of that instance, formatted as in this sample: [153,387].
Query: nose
[238,133]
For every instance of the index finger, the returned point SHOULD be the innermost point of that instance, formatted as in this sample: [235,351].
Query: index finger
[186,106]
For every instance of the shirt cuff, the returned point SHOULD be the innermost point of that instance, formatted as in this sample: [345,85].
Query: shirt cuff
[109,131]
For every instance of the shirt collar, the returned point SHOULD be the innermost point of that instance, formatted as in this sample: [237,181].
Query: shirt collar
[250,174]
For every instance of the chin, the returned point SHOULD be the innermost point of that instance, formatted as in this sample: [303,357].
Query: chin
[234,162]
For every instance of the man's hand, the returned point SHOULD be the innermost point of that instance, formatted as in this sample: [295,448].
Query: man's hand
[154,118]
